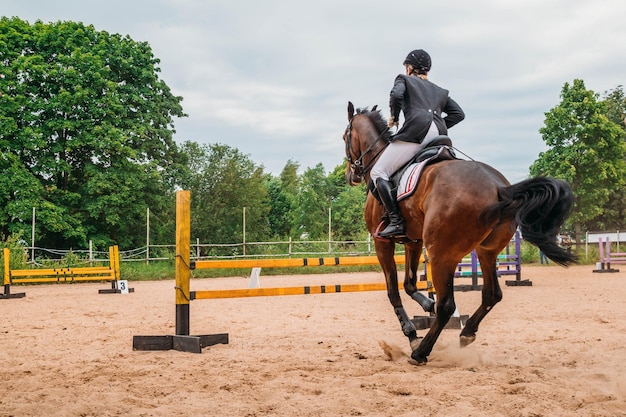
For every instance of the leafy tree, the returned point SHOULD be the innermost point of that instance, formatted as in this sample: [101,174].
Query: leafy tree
[586,149]
[312,202]
[279,216]
[614,211]
[615,102]
[348,204]
[19,193]
[289,180]
[222,182]
[282,193]
[86,115]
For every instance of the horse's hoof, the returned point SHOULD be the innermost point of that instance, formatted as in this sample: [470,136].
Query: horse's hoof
[467,340]
[418,360]
[416,363]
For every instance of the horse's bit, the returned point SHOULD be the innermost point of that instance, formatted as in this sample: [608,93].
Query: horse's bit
[357,166]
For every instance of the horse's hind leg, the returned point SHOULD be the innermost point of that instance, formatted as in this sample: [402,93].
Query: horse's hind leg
[385,254]
[491,294]
[413,252]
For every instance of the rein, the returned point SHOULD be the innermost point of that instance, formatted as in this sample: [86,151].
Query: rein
[357,165]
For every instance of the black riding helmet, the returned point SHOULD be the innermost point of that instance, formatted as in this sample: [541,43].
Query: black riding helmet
[420,60]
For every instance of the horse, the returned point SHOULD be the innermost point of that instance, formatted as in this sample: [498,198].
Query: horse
[458,206]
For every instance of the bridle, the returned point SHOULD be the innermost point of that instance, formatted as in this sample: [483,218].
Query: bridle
[357,166]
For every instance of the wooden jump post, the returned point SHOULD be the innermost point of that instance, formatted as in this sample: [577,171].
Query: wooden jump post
[7,277]
[181,341]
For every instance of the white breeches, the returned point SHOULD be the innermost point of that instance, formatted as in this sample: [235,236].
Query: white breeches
[399,153]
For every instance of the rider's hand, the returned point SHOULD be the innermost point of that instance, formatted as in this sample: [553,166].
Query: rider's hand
[392,122]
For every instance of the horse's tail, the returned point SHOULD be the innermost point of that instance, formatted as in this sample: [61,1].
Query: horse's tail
[539,206]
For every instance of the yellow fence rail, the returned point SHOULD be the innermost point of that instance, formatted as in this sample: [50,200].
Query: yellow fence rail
[110,272]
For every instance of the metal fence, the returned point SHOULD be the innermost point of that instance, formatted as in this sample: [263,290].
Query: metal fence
[199,251]
[279,249]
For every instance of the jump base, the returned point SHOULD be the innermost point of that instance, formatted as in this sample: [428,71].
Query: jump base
[7,293]
[114,291]
[519,283]
[181,343]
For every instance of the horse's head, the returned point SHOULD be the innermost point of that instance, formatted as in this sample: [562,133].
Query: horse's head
[365,138]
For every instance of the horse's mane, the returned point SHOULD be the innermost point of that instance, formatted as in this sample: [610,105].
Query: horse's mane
[377,119]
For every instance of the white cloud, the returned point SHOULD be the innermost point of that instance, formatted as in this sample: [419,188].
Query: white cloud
[273,78]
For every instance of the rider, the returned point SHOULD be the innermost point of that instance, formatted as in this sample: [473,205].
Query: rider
[423,104]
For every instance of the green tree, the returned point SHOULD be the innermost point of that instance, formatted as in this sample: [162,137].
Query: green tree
[279,216]
[614,211]
[313,202]
[289,179]
[348,204]
[87,116]
[222,182]
[586,149]
[615,102]
[282,193]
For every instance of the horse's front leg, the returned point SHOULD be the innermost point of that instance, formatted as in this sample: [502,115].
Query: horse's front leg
[443,281]
[385,253]
[413,252]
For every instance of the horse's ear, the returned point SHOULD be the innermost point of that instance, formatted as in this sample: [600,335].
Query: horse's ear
[374,108]
[350,110]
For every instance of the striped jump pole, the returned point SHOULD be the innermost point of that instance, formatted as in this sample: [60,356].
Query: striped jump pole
[182,340]
[292,262]
[303,290]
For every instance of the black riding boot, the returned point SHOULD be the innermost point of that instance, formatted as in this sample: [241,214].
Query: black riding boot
[396,222]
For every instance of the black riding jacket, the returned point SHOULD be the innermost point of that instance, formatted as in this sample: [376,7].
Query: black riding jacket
[421,101]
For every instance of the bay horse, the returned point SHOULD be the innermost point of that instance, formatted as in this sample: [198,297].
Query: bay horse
[458,206]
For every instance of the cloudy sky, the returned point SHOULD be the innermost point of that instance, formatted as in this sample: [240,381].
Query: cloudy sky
[273,78]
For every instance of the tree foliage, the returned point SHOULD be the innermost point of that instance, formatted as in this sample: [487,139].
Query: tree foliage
[614,211]
[586,149]
[282,193]
[348,204]
[313,202]
[86,138]
[320,195]
[223,181]
[86,124]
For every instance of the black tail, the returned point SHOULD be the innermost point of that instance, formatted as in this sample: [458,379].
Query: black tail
[539,206]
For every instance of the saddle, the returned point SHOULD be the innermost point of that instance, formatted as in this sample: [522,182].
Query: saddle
[405,180]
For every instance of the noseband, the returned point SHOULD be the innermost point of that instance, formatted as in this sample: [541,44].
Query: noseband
[357,166]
